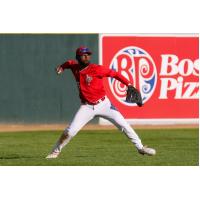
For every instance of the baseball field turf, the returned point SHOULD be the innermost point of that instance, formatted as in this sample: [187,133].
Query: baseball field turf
[175,147]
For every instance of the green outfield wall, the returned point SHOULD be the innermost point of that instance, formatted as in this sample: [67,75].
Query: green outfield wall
[30,91]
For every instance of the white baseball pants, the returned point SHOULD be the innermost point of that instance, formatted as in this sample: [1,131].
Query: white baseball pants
[105,110]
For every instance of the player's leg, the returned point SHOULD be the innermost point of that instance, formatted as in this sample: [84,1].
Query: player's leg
[118,120]
[109,112]
[82,117]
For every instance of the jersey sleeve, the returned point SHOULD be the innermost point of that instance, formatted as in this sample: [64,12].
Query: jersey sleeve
[68,64]
[105,72]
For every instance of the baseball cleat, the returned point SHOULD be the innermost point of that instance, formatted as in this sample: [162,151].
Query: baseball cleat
[53,155]
[147,150]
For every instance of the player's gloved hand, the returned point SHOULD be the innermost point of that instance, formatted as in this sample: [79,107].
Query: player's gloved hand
[133,96]
[59,69]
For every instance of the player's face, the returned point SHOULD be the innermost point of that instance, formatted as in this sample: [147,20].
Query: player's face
[85,58]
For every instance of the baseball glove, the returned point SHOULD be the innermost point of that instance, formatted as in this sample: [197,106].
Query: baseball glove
[133,96]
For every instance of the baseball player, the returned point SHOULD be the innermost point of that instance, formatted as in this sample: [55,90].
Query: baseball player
[94,102]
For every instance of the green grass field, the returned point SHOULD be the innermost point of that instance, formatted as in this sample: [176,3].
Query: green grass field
[175,147]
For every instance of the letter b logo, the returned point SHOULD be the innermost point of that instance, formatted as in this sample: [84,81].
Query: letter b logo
[139,68]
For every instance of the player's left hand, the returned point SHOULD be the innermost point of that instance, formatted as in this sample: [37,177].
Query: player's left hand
[134,96]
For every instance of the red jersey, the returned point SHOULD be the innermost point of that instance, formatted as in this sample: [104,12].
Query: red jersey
[90,79]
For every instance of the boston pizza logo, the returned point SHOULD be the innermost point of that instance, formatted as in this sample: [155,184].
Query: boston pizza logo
[139,68]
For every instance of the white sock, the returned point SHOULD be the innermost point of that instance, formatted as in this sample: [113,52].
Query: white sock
[58,146]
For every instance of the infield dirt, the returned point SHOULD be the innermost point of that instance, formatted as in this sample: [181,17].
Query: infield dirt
[50,127]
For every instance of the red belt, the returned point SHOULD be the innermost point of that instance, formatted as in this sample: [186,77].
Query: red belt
[97,102]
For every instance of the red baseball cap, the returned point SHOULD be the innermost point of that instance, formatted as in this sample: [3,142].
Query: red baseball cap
[83,50]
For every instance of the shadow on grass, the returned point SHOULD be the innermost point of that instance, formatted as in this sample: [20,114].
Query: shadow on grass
[10,157]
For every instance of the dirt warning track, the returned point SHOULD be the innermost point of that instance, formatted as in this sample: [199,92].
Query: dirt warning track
[53,127]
